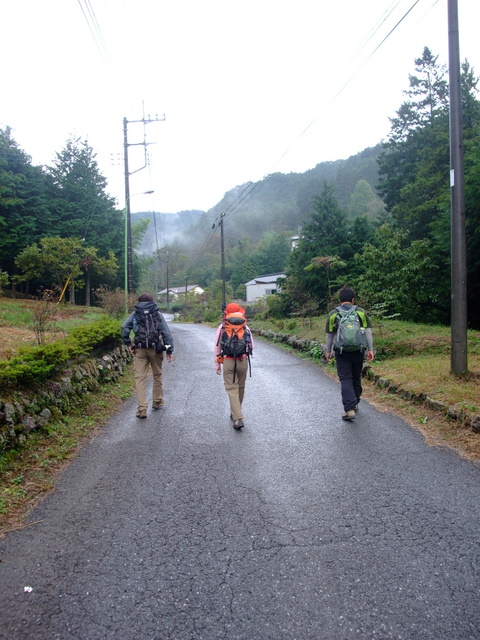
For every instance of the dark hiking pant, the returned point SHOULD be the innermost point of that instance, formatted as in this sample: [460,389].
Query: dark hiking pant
[349,370]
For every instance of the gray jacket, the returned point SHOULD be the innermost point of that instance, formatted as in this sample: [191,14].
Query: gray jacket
[127,326]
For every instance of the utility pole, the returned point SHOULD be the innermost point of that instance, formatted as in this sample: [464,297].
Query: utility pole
[222,258]
[457,202]
[222,250]
[156,255]
[128,222]
[168,298]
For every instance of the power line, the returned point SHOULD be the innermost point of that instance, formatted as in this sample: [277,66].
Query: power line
[95,30]
[250,188]
[258,185]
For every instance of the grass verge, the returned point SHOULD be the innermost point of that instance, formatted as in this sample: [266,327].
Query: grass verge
[414,358]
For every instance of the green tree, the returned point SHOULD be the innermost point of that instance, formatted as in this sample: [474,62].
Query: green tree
[414,173]
[472,221]
[79,203]
[23,201]
[364,201]
[324,234]
[53,258]
[402,275]
[415,162]
[93,264]
[328,263]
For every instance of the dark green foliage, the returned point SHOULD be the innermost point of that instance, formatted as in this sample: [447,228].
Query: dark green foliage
[333,239]
[472,201]
[414,183]
[403,276]
[68,200]
[23,201]
[36,364]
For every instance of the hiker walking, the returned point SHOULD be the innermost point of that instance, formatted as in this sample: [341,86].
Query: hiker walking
[151,339]
[233,347]
[349,340]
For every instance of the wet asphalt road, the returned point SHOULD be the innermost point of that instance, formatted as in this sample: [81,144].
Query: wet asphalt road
[299,527]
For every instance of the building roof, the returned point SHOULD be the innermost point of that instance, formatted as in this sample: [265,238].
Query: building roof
[179,290]
[268,279]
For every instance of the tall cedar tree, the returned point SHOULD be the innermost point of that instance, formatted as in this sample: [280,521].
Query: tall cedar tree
[414,178]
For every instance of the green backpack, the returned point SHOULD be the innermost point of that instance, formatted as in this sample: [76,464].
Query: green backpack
[350,335]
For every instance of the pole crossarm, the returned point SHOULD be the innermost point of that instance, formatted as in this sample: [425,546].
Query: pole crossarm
[129,280]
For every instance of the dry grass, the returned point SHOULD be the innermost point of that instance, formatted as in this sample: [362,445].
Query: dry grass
[16,328]
[414,358]
[430,374]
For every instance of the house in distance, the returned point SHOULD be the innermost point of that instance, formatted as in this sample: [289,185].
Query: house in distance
[262,286]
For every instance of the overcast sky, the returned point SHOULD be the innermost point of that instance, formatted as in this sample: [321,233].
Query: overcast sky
[247,88]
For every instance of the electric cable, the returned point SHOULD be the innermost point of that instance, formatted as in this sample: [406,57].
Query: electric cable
[95,30]
[251,187]
[233,206]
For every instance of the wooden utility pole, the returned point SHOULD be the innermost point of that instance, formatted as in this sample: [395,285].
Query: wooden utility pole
[457,202]
[222,250]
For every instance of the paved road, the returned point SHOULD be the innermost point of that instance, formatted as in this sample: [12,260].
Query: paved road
[299,527]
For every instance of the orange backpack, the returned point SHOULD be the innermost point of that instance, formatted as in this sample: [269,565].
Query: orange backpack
[235,338]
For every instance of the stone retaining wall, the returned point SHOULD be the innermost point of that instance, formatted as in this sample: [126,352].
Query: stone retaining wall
[34,408]
[455,412]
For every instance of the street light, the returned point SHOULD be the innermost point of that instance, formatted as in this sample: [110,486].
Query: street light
[128,240]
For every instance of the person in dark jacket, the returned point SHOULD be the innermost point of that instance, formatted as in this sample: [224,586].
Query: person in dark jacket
[147,355]
[349,363]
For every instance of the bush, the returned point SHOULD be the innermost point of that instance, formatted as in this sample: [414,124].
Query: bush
[113,301]
[4,280]
[36,364]
[44,317]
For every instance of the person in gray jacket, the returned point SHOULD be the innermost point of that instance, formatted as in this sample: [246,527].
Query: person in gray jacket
[349,363]
[152,338]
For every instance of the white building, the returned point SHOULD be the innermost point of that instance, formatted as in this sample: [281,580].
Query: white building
[262,286]
[174,293]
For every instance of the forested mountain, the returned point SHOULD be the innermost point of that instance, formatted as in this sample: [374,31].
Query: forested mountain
[281,202]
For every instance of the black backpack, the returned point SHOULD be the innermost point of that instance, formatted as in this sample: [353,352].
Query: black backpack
[146,326]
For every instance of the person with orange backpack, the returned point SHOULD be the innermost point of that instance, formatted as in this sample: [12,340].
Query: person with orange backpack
[233,348]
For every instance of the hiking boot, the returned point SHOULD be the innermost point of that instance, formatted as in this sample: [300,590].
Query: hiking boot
[142,414]
[349,415]
[356,408]
[157,405]
[238,424]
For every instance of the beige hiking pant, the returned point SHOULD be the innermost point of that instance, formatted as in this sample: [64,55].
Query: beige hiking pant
[144,360]
[235,390]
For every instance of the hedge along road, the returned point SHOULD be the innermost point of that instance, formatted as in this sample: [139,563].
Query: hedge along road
[300,526]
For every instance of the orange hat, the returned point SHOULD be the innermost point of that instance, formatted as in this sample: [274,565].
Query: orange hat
[233,307]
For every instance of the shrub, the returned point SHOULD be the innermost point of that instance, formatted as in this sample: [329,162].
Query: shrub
[44,317]
[36,364]
[112,301]
[4,280]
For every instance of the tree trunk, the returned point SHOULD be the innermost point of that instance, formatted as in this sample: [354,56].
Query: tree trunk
[87,288]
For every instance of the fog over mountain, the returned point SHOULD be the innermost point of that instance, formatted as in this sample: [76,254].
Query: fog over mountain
[165,228]
[279,202]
